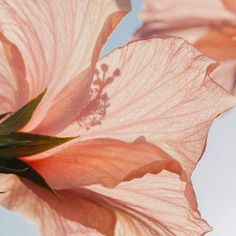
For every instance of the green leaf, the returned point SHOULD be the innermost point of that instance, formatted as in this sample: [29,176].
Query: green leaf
[20,118]
[21,144]
[22,169]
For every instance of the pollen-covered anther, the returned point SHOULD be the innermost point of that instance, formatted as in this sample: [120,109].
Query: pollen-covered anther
[99,100]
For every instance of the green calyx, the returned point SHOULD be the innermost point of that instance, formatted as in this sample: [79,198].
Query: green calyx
[22,169]
[20,118]
[15,144]
[18,144]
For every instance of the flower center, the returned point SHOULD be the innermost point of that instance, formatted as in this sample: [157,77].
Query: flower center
[95,111]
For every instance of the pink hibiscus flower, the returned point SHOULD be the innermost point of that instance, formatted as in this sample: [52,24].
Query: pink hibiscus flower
[142,114]
[209,25]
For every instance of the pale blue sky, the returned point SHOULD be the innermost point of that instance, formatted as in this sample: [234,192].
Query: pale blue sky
[214,178]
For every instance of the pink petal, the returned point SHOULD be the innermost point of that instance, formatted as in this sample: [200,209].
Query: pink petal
[153,205]
[60,44]
[219,44]
[102,161]
[230,4]
[163,93]
[225,75]
[14,87]
[165,15]
[69,213]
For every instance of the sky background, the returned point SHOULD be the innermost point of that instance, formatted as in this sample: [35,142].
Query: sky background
[214,179]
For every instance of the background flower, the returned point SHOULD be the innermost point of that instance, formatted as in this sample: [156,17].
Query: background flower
[209,25]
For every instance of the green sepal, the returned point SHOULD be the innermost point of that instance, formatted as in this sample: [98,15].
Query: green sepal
[19,119]
[22,169]
[4,115]
[15,145]
[6,170]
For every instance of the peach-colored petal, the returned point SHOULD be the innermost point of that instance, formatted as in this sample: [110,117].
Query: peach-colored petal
[67,214]
[225,75]
[219,44]
[102,161]
[230,4]
[165,15]
[60,43]
[153,205]
[14,87]
[163,93]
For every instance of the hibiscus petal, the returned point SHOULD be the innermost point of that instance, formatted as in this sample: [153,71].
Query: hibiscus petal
[163,93]
[102,161]
[67,214]
[230,4]
[153,205]
[60,43]
[14,88]
[225,75]
[219,44]
[165,15]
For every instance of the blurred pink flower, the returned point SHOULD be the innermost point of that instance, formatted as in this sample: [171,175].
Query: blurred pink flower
[209,25]
[142,115]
